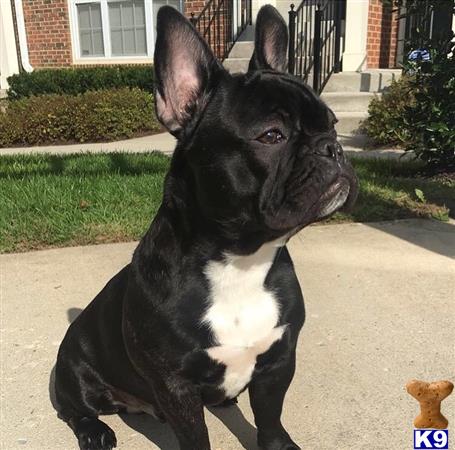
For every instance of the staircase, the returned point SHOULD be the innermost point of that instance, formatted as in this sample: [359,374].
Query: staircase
[348,94]
[239,56]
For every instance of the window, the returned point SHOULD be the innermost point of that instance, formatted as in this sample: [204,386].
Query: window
[115,29]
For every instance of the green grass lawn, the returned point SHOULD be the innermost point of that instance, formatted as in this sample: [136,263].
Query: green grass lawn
[54,201]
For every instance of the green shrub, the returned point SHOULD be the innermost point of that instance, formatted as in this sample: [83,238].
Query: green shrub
[431,118]
[93,116]
[386,123]
[79,80]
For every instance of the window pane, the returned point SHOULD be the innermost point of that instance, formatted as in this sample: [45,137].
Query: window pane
[128,36]
[86,43]
[90,29]
[127,14]
[83,11]
[95,15]
[116,42]
[139,12]
[140,41]
[114,14]
[97,38]
[127,26]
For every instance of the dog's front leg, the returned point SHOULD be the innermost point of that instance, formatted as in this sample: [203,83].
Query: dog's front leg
[267,392]
[182,406]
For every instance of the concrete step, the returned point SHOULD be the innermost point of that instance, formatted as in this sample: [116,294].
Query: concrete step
[235,65]
[361,146]
[349,122]
[348,101]
[354,141]
[242,49]
[369,81]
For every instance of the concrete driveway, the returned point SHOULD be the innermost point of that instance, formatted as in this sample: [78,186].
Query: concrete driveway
[380,311]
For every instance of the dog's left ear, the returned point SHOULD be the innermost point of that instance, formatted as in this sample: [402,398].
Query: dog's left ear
[271,41]
[185,69]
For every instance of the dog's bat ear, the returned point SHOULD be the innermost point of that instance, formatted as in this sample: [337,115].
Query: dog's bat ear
[185,69]
[271,41]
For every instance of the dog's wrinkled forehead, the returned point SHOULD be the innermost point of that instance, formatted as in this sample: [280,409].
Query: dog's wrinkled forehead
[271,98]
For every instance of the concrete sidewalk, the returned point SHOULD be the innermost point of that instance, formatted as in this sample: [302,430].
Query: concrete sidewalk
[380,311]
[165,143]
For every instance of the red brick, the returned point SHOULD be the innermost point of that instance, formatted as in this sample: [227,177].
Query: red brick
[382,35]
[48,35]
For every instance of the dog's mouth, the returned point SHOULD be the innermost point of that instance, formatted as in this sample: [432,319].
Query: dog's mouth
[313,191]
[334,198]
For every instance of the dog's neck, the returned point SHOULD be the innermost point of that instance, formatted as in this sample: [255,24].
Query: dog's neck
[180,232]
[181,210]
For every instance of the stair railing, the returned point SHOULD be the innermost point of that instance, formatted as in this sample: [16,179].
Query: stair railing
[315,39]
[221,22]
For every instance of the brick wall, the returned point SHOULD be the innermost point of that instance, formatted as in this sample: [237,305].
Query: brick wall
[193,6]
[382,35]
[48,32]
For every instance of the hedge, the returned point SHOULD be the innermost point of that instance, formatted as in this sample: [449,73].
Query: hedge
[79,80]
[93,116]
[418,112]
[386,114]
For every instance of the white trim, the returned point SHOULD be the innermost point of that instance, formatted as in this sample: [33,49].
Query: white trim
[355,49]
[149,27]
[108,58]
[235,21]
[105,29]
[9,64]
[22,36]
[115,60]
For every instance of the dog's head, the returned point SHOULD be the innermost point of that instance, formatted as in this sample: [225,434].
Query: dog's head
[257,151]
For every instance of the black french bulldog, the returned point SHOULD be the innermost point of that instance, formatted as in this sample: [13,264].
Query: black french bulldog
[210,304]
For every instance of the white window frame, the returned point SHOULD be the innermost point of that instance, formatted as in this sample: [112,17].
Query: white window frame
[108,57]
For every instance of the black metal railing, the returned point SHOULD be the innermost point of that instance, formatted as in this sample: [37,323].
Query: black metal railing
[221,22]
[426,21]
[418,25]
[315,39]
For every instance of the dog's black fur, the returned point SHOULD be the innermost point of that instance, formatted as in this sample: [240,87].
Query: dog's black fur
[256,160]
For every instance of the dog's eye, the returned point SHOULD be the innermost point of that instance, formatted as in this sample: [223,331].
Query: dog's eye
[273,136]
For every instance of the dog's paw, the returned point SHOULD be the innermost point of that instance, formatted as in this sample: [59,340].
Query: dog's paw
[93,434]
[278,440]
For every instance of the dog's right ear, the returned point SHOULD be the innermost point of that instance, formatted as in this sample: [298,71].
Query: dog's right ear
[185,69]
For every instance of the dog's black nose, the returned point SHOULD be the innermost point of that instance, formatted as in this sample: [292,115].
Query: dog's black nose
[330,149]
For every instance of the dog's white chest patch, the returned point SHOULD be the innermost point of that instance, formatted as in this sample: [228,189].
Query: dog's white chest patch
[242,314]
